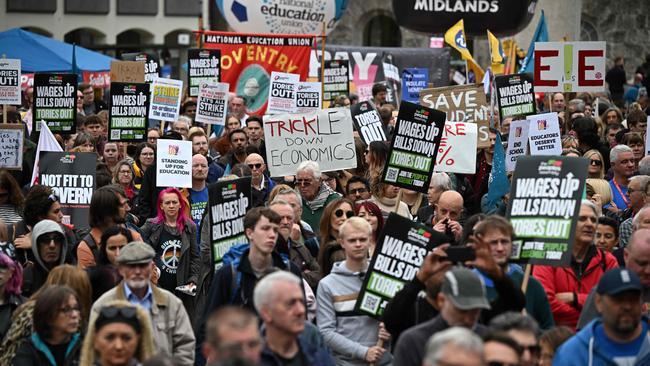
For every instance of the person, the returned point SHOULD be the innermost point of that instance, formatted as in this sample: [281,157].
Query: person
[596,169]
[153,134]
[607,234]
[93,126]
[261,184]
[104,276]
[288,338]
[375,157]
[565,290]
[637,144]
[145,156]
[307,235]
[49,248]
[11,199]
[352,338]
[200,146]
[616,80]
[238,143]
[479,180]
[120,335]
[372,213]
[182,126]
[334,215]
[500,349]
[232,332]
[11,280]
[173,331]
[198,194]
[557,104]
[385,196]
[447,213]
[638,197]
[237,107]
[110,156]
[83,142]
[219,146]
[620,335]
[523,330]
[315,194]
[357,189]
[637,122]
[440,182]
[379,94]
[123,176]
[254,130]
[90,105]
[55,339]
[622,161]
[550,341]
[454,346]
[610,133]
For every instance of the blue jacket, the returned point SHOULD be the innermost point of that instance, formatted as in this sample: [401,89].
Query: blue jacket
[312,346]
[582,350]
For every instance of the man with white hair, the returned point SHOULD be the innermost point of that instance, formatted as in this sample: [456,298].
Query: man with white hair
[182,126]
[622,159]
[440,182]
[315,193]
[454,346]
[637,193]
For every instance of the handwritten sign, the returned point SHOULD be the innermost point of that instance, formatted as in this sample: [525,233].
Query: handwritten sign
[127,71]
[151,66]
[10,81]
[569,66]
[517,143]
[165,99]
[457,139]
[11,146]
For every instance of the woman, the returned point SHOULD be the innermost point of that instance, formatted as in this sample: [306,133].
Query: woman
[334,215]
[612,115]
[104,276]
[569,142]
[599,192]
[550,341]
[596,167]
[11,279]
[11,199]
[636,143]
[145,156]
[83,143]
[371,213]
[55,339]
[413,200]
[121,335]
[386,197]
[123,176]
[376,157]
[111,155]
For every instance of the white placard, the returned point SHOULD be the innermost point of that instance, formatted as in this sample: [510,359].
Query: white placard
[569,67]
[544,134]
[212,104]
[11,146]
[457,152]
[308,97]
[10,81]
[517,143]
[165,99]
[282,93]
[174,163]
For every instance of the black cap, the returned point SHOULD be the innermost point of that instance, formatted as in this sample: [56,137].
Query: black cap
[618,280]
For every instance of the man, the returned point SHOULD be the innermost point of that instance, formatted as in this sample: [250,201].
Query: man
[379,94]
[616,80]
[198,193]
[182,126]
[188,108]
[455,346]
[566,291]
[523,330]
[620,335]
[200,146]
[93,125]
[440,182]
[447,213]
[352,338]
[644,166]
[237,154]
[261,184]
[305,234]
[637,121]
[315,194]
[90,105]
[637,193]
[49,246]
[610,133]
[357,189]
[172,331]
[575,109]
[500,349]
[557,102]
[289,339]
[254,130]
[232,332]
[622,159]
[237,107]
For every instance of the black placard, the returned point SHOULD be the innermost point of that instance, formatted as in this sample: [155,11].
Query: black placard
[55,102]
[336,80]
[203,66]
[129,112]
[151,64]
[367,122]
[515,95]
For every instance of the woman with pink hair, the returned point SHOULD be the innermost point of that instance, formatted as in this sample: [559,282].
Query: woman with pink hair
[11,279]
[372,213]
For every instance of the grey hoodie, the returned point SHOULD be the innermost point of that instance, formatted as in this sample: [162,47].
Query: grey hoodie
[44,227]
[348,334]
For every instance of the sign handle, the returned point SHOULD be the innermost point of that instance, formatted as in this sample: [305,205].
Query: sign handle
[208,130]
[322,62]
[524,283]
[380,342]
[399,199]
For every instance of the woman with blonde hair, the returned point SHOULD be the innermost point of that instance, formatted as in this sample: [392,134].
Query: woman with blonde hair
[600,193]
[596,164]
[119,335]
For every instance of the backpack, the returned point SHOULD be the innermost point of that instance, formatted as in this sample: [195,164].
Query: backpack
[92,245]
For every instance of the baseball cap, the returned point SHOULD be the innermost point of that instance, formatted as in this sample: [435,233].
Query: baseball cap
[465,289]
[618,280]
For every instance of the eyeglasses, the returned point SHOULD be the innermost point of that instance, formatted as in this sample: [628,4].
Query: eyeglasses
[110,312]
[596,162]
[340,213]
[304,182]
[255,166]
[69,309]
[533,349]
[125,172]
[358,191]
[47,239]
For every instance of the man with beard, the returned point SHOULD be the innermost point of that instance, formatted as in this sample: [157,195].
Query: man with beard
[237,153]
[200,146]
[620,335]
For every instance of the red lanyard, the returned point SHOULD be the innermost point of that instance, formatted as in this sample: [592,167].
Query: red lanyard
[618,188]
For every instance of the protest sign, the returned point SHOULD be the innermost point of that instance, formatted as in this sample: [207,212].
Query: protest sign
[174,163]
[414,147]
[517,143]
[203,67]
[457,139]
[55,102]
[413,80]
[569,67]
[544,134]
[129,114]
[336,79]
[11,146]
[282,93]
[544,204]
[10,81]
[151,66]
[367,122]
[391,80]
[399,253]
[324,136]
[515,95]
[229,202]
[308,97]
[127,71]
[165,99]
[462,103]
[212,105]
[72,178]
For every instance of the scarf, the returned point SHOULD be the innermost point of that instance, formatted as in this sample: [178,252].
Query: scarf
[319,201]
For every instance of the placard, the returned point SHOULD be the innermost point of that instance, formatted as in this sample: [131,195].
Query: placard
[324,136]
[569,67]
[166,99]
[128,118]
[204,66]
[151,66]
[10,81]
[174,163]
[282,93]
[127,71]
[367,122]
[414,147]
[515,95]
[11,146]
[457,139]
[308,97]
[212,105]
[55,102]
[72,178]
[413,81]
[544,204]
[517,143]
[336,79]
[544,134]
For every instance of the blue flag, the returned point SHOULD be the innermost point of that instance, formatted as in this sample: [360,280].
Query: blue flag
[541,35]
[498,184]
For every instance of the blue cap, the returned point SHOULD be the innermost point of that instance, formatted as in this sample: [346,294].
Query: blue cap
[618,280]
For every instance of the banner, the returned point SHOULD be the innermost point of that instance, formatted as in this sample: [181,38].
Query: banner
[308,96]
[543,209]
[165,99]
[11,146]
[229,202]
[55,102]
[151,64]
[515,95]
[367,122]
[72,178]
[282,93]
[517,143]
[128,117]
[212,105]
[203,67]
[10,81]
[569,67]
[462,103]
[457,139]
[413,80]
[174,163]
[399,254]
[414,147]
[324,136]
[247,60]
[97,79]
[336,79]
[544,134]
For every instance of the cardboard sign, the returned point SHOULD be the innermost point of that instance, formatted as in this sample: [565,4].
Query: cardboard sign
[151,65]
[128,117]
[324,136]
[457,139]
[11,146]
[166,99]
[127,71]
[367,122]
[462,103]
[229,202]
[72,178]
[399,254]
[282,93]
[515,95]
[204,66]
[544,134]
[414,147]
[543,209]
[55,102]
[10,81]
[174,163]
[336,79]
[212,105]
[569,67]
[308,97]
[517,143]
[413,81]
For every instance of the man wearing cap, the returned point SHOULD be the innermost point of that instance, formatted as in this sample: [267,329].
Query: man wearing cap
[620,335]
[171,325]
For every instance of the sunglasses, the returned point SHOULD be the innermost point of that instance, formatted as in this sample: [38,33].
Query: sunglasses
[111,312]
[339,213]
[47,239]
[596,162]
[255,166]
[303,182]
[357,191]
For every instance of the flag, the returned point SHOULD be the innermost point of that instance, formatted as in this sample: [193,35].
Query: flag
[498,184]
[46,142]
[540,35]
[455,37]
[510,49]
[497,56]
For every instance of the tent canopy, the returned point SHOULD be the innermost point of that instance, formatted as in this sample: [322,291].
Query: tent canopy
[40,54]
